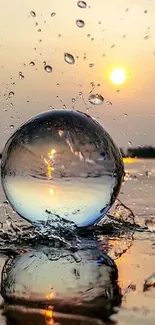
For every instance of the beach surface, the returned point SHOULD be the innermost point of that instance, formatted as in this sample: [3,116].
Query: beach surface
[138,263]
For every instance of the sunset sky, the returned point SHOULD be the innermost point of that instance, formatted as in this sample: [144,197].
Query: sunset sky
[116,33]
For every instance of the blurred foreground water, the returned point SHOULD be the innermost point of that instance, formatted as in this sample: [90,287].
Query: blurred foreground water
[103,287]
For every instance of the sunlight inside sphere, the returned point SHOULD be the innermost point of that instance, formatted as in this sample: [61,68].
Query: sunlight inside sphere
[118,76]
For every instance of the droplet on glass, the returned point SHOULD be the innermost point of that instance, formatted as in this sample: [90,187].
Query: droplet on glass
[32,13]
[53,14]
[48,68]
[32,63]
[145,11]
[12,126]
[146,37]
[39,30]
[73,100]
[53,165]
[80,23]
[21,76]
[82,4]
[91,65]
[96,99]
[69,58]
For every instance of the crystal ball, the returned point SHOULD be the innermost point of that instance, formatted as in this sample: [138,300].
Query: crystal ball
[62,163]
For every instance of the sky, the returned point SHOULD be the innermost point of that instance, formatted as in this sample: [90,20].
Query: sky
[116,33]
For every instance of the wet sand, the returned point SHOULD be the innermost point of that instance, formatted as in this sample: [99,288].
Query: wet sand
[135,266]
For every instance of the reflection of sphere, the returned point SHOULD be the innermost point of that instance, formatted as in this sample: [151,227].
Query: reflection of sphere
[81,283]
[64,163]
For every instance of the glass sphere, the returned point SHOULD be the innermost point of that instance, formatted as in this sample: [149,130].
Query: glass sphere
[61,163]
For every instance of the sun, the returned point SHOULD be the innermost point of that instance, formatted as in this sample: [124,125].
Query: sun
[118,76]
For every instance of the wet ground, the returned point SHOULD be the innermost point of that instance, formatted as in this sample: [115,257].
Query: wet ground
[137,263]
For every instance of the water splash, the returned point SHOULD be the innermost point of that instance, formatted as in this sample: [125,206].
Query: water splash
[114,233]
[96,99]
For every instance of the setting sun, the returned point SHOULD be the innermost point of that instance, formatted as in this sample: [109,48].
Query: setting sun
[118,76]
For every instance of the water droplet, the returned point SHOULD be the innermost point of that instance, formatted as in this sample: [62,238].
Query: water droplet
[32,64]
[11,94]
[88,35]
[21,76]
[91,65]
[145,11]
[5,204]
[150,282]
[82,4]
[48,68]
[39,30]
[12,126]
[32,170]
[146,37]
[69,58]
[96,99]
[129,143]
[32,13]
[80,23]
[125,115]
[73,100]
[108,102]
[112,46]
[53,14]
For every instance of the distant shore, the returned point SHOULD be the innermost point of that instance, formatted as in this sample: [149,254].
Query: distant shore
[146,152]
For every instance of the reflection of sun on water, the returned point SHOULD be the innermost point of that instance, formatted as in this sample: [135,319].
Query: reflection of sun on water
[118,76]
[48,316]
[48,162]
